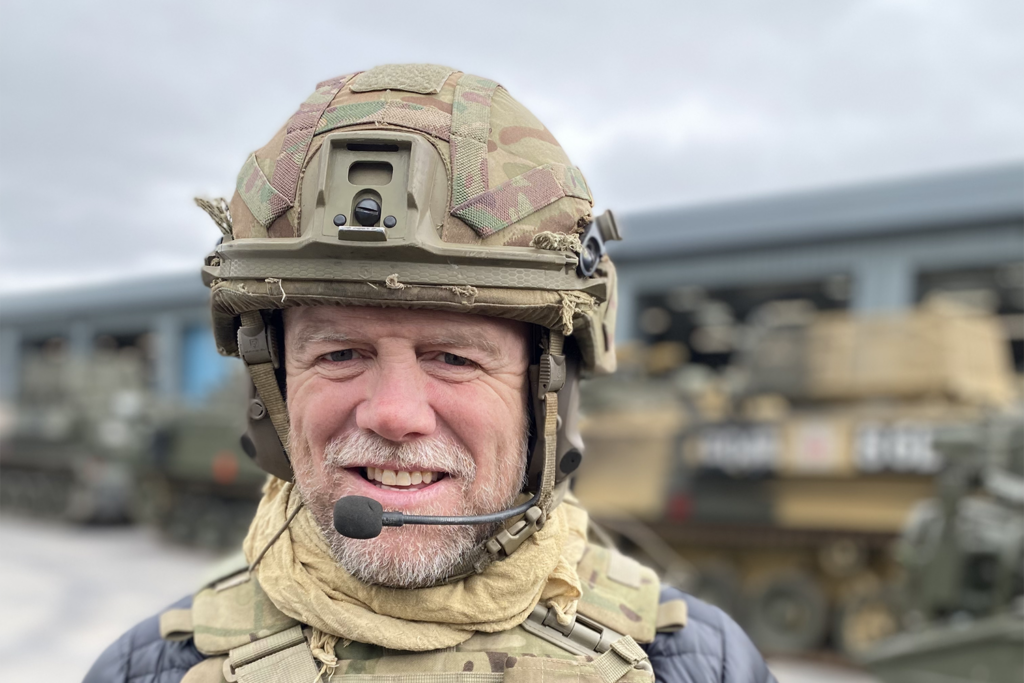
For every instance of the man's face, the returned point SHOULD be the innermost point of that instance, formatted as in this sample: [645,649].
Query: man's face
[423,411]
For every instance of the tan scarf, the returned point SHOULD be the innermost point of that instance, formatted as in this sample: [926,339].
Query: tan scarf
[303,581]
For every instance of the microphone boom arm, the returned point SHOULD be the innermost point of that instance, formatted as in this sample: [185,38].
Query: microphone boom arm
[401,519]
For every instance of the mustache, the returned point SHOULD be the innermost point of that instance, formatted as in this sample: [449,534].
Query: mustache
[366,449]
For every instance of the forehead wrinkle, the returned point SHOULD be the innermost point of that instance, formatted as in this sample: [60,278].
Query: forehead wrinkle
[464,341]
[306,337]
[307,333]
[312,331]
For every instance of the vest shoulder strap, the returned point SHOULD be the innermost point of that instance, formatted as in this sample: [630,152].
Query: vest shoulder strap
[613,654]
[672,616]
[283,657]
[619,593]
[233,612]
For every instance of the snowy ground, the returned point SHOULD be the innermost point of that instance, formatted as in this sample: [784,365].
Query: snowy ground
[68,592]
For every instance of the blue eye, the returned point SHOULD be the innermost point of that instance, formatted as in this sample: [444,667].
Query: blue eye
[340,356]
[452,359]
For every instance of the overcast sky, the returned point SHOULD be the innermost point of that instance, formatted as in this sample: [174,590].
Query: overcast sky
[113,115]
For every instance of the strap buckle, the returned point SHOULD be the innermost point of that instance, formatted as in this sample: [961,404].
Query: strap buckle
[510,539]
[580,636]
[255,345]
[551,376]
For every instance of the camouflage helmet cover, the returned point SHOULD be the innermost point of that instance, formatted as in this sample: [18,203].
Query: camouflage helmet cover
[509,185]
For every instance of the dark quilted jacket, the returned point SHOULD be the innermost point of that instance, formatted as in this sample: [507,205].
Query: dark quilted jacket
[712,648]
[142,656]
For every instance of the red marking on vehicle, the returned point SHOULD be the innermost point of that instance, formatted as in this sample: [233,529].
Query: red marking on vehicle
[225,467]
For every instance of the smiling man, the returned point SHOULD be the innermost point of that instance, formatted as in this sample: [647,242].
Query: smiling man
[423,411]
[412,275]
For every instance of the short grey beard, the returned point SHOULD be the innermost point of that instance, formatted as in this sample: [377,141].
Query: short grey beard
[430,554]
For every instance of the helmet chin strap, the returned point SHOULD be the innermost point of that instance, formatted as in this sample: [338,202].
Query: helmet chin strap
[548,385]
[550,379]
[257,346]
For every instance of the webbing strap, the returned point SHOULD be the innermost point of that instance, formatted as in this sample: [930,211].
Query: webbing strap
[284,657]
[624,656]
[556,344]
[471,126]
[297,136]
[250,652]
[257,193]
[453,677]
[294,665]
[176,624]
[672,616]
[266,384]
[429,120]
[268,199]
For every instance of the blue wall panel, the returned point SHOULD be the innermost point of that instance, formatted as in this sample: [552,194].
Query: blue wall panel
[203,369]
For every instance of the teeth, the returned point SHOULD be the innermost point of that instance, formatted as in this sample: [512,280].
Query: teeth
[393,478]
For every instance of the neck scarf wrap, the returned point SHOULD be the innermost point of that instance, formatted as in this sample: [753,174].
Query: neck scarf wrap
[303,580]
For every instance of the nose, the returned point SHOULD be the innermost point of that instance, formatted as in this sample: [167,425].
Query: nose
[397,407]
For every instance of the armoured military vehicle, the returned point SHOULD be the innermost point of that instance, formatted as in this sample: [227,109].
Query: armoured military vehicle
[786,477]
[196,483]
[961,617]
[89,441]
[70,443]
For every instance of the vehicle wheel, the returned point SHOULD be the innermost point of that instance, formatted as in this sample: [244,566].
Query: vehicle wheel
[787,613]
[864,620]
[719,584]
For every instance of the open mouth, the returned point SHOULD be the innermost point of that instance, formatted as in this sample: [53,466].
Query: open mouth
[399,480]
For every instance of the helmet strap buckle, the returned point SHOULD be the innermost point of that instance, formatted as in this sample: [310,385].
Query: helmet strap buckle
[255,344]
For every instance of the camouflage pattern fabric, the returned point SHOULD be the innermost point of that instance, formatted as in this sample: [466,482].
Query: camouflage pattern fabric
[471,124]
[508,180]
[630,610]
[422,78]
[505,166]
[226,618]
[240,613]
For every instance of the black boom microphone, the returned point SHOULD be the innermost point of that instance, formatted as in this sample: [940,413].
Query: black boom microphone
[361,517]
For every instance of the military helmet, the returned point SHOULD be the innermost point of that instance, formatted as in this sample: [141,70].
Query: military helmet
[417,186]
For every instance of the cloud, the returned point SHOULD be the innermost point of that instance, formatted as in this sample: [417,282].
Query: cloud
[114,114]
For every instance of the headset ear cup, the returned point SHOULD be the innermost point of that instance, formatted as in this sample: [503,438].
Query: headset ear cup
[570,449]
[261,442]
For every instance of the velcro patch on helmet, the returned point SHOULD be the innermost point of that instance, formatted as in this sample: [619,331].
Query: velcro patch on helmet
[429,120]
[426,79]
[496,209]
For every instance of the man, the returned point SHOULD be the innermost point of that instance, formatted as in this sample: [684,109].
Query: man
[411,273]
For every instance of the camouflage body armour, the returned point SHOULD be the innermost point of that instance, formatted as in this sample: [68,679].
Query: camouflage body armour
[247,639]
